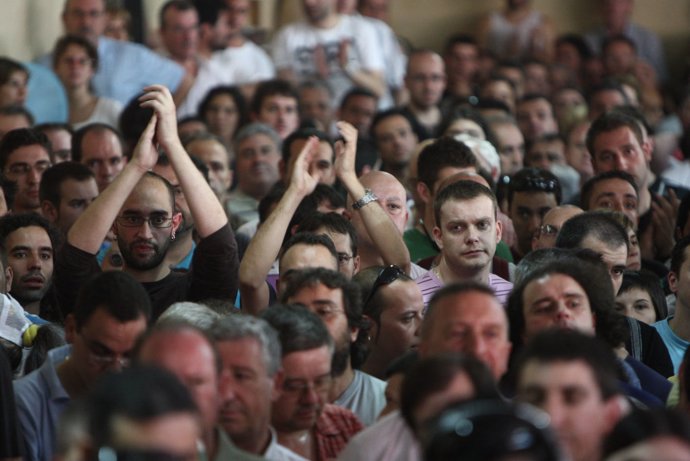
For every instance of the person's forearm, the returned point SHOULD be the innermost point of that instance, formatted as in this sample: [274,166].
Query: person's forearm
[205,207]
[89,231]
[370,80]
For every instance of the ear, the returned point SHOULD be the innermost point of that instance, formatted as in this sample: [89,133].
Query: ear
[437,234]
[356,263]
[672,282]
[373,329]
[278,380]
[499,230]
[70,328]
[9,276]
[614,409]
[354,332]
[424,192]
[49,211]
[176,221]
[648,148]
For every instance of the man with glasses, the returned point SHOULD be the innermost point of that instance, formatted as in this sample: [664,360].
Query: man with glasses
[425,80]
[100,147]
[531,193]
[551,224]
[24,156]
[304,420]
[139,206]
[336,301]
[112,310]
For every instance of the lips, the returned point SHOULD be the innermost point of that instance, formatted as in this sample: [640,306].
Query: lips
[33,281]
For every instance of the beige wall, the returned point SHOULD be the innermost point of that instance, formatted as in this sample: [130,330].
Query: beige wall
[29,27]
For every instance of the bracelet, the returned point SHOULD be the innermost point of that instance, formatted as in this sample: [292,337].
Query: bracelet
[368,197]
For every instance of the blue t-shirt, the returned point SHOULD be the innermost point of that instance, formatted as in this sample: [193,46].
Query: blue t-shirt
[676,346]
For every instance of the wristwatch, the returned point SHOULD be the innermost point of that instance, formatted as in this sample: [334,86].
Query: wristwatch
[367,198]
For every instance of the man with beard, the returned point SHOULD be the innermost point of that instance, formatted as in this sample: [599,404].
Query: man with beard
[139,206]
[337,302]
[27,242]
[304,420]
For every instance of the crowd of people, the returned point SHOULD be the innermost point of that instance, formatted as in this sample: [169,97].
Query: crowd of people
[339,246]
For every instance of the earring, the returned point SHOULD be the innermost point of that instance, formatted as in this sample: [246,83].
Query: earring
[172,236]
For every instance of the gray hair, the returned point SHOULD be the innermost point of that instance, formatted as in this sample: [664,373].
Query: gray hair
[197,315]
[236,327]
[257,128]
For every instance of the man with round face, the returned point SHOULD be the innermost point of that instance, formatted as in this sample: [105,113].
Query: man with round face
[511,146]
[24,156]
[280,112]
[467,232]
[358,108]
[321,164]
[467,318]
[66,191]
[571,376]
[535,117]
[99,147]
[179,31]
[27,246]
[614,190]
[215,156]
[425,80]
[335,300]
[395,140]
[551,224]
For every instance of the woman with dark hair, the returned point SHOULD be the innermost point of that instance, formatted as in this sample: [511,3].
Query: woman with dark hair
[13,80]
[75,62]
[642,297]
[224,110]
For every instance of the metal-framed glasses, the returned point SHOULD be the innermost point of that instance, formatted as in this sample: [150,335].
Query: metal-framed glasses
[158,221]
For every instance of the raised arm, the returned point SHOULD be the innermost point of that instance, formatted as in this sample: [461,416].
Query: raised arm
[206,210]
[378,224]
[89,231]
[265,246]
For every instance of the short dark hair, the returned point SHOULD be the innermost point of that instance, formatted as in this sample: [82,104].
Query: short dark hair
[309,238]
[333,280]
[647,424]
[21,137]
[209,11]
[381,116]
[275,87]
[181,5]
[443,152]
[298,328]
[577,42]
[17,110]
[140,394]
[8,67]
[570,346]
[78,137]
[678,254]
[588,187]
[462,190]
[448,291]
[534,180]
[54,176]
[303,133]
[115,291]
[433,375]
[616,39]
[611,121]
[235,94]
[459,39]
[65,42]
[11,222]
[599,224]
[650,283]
[357,91]
[333,222]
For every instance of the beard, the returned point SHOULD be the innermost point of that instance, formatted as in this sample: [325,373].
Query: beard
[341,355]
[143,263]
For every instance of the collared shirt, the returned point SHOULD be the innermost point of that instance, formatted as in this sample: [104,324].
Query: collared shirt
[334,428]
[278,452]
[41,399]
[430,284]
[227,451]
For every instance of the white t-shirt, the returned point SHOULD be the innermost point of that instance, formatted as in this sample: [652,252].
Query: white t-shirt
[106,111]
[297,46]
[248,63]
[210,75]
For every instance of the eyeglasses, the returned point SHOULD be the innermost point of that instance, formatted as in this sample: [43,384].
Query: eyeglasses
[387,276]
[20,169]
[299,386]
[158,221]
[103,358]
[548,230]
[344,258]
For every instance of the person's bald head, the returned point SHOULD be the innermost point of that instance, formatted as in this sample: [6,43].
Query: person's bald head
[551,224]
[391,194]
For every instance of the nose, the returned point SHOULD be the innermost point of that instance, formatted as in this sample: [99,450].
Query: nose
[309,396]
[555,412]
[35,261]
[562,314]
[621,164]
[33,176]
[145,230]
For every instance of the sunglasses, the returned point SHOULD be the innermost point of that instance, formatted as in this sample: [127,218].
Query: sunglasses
[387,276]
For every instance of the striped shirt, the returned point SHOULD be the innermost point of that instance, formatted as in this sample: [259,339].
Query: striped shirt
[430,284]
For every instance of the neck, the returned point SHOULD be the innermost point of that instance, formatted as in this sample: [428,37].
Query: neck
[79,95]
[237,40]
[16,208]
[376,364]
[71,380]
[33,307]
[340,383]
[301,442]
[179,249]
[680,323]
[430,117]
[448,275]
[645,200]
[255,443]
[326,23]
[210,439]
[151,275]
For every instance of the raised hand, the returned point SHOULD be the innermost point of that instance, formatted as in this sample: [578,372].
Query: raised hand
[346,151]
[145,153]
[158,98]
[302,179]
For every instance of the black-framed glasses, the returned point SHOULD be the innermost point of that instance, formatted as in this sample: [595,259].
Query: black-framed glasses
[387,276]
[159,221]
